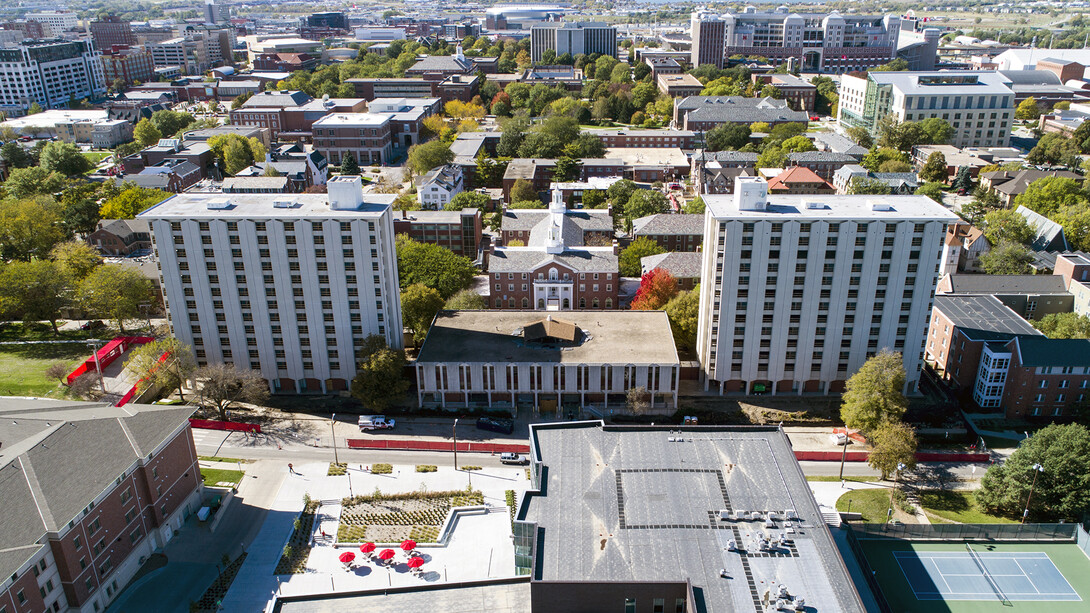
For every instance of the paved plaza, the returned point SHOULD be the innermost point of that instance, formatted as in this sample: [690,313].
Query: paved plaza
[480,546]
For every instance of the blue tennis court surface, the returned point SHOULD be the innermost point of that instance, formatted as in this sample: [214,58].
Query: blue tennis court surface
[984,575]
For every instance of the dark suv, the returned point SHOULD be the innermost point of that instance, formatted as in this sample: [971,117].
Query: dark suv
[503,426]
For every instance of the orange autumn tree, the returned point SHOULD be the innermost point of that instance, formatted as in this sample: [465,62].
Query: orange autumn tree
[657,287]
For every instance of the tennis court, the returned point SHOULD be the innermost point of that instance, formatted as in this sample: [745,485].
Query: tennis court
[984,575]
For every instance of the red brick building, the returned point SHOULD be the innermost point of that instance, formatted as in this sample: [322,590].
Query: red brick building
[672,231]
[128,64]
[459,231]
[799,93]
[579,226]
[89,492]
[683,139]
[111,30]
[799,180]
[291,112]
[365,135]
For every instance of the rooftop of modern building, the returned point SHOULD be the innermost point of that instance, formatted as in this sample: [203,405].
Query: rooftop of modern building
[434,217]
[648,156]
[579,25]
[983,318]
[822,207]
[641,503]
[1005,284]
[352,120]
[603,337]
[262,206]
[683,79]
[943,83]
[637,132]
[57,456]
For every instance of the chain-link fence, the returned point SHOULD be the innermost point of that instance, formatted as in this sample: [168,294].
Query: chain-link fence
[967,532]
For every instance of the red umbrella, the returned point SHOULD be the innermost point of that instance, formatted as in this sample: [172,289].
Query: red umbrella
[408,544]
[415,562]
[347,557]
[386,554]
[367,547]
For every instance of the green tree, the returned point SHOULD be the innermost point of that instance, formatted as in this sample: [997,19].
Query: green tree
[798,144]
[240,100]
[468,200]
[34,291]
[222,386]
[527,204]
[130,201]
[867,185]
[893,443]
[522,190]
[934,170]
[1061,488]
[620,192]
[594,199]
[1075,220]
[890,166]
[897,65]
[644,202]
[146,133]
[861,136]
[694,206]
[26,182]
[1063,325]
[115,292]
[1027,109]
[29,228]
[772,157]
[683,311]
[1055,148]
[76,259]
[433,266]
[895,134]
[936,131]
[1007,225]
[963,181]
[727,136]
[380,380]
[874,158]
[984,200]
[236,157]
[1048,195]
[419,304]
[490,171]
[154,371]
[874,395]
[466,300]
[567,169]
[933,191]
[171,123]
[349,165]
[14,155]
[1007,258]
[425,156]
[34,109]
[64,158]
[629,260]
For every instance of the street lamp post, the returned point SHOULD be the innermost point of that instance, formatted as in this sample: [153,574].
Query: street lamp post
[146,308]
[844,454]
[454,430]
[98,366]
[333,432]
[889,511]
[1037,469]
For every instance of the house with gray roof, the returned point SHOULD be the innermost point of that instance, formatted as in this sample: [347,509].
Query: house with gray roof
[1008,184]
[89,491]
[444,65]
[683,266]
[899,183]
[671,231]
[1049,234]
[823,163]
[439,186]
[707,112]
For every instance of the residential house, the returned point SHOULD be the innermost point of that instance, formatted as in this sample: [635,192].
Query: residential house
[121,236]
[439,186]
[683,266]
[799,180]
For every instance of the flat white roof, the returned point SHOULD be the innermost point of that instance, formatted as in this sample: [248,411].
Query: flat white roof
[831,207]
[261,206]
[353,119]
[50,118]
[648,156]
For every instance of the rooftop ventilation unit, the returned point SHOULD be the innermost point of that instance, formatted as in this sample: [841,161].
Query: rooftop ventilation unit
[219,204]
[284,204]
[881,206]
[816,206]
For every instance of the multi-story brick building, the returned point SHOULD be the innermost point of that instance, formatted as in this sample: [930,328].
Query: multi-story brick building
[579,226]
[799,93]
[127,64]
[454,87]
[365,135]
[289,286]
[798,291]
[121,236]
[672,232]
[612,137]
[679,85]
[111,30]
[291,112]
[551,273]
[89,492]
[799,180]
[683,266]
[823,163]
[702,113]
[459,231]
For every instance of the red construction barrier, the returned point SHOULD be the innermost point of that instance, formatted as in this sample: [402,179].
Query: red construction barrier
[415,445]
[106,356]
[231,426]
[861,456]
[132,391]
[855,435]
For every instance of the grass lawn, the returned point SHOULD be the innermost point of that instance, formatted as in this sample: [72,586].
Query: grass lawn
[97,156]
[872,503]
[213,458]
[22,367]
[13,331]
[213,476]
[958,506]
[1067,557]
[831,478]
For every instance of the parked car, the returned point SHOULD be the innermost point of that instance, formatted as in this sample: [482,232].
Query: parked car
[492,424]
[375,422]
[93,325]
[509,457]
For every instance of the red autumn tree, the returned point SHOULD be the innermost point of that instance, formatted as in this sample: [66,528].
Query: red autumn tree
[657,287]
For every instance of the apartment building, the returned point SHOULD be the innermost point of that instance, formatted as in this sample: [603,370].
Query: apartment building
[289,286]
[798,291]
[365,135]
[626,138]
[800,94]
[679,85]
[56,21]
[90,491]
[820,42]
[127,64]
[978,105]
[573,39]
[111,30]
[121,236]
[186,53]
[49,72]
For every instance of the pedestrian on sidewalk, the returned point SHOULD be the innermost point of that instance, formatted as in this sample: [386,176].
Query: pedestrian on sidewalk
[291,469]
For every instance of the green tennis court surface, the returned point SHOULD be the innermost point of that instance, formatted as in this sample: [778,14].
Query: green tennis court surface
[944,577]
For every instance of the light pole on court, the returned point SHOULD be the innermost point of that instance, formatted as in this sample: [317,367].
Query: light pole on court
[1037,469]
